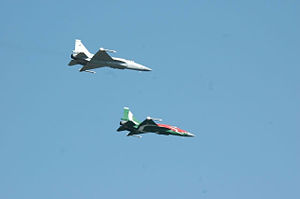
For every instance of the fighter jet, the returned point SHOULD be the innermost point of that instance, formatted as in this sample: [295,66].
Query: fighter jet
[101,59]
[135,127]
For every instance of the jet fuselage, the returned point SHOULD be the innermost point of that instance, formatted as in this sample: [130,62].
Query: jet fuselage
[117,63]
[163,129]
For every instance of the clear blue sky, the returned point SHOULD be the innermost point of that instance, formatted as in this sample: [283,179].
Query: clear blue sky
[228,71]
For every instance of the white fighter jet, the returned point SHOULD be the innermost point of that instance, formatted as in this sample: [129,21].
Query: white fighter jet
[101,59]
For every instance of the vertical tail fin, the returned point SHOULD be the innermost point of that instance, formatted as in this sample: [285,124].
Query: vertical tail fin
[128,116]
[80,48]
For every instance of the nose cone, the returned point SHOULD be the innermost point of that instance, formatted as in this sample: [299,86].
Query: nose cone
[188,134]
[135,66]
[144,68]
[141,67]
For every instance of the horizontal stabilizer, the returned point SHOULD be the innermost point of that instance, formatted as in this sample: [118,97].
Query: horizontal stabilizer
[129,125]
[72,63]
[81,55]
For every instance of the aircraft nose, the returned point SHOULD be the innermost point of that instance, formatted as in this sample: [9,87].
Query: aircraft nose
[143,68]
[146,68]
[190,134]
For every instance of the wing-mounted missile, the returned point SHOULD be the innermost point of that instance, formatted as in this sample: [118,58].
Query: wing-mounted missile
[90,71]
[154,119]
[138,136]
[108,50]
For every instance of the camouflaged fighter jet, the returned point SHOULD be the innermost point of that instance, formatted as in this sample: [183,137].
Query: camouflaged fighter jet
[135,127]
[101,59]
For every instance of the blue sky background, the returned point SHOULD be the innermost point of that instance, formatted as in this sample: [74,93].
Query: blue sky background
[228,71]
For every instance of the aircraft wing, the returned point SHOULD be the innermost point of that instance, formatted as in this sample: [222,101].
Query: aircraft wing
[101,55]
[150,125]
[147,122]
